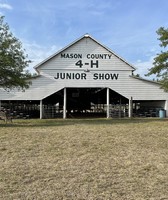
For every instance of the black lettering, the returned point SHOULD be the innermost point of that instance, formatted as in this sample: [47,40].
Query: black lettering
[94,63]
[101,76]
[77,76]
[67,55]
[68,76]
[101,56]
[79,63]
[57,76]
[71,55]
[92,56]
[105,55]
[107,76]
[83,76]
[114,76]
[62,75]
[73,76]
[88,56]
[63,55]
[95,76]
[77,55]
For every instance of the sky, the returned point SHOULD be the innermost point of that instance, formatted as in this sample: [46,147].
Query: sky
[127,27]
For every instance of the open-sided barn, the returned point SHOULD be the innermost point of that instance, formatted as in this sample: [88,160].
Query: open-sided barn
[86,79]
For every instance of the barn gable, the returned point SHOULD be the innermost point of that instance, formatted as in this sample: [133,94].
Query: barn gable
[85,53]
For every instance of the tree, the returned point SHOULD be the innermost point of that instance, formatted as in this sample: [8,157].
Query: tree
[160,68]
[13,61]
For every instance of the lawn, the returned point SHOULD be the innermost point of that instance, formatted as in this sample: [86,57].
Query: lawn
[86,159]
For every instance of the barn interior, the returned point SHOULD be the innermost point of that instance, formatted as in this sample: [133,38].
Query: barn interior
[83,102]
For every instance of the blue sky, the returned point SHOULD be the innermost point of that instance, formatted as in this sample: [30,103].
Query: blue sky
[127,27]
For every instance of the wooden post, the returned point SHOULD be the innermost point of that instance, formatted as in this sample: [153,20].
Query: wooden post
[108,102]
[65,103]
[130,107]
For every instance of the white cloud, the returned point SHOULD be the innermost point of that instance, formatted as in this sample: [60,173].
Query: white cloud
[142,68]
[6,6]
[37,53]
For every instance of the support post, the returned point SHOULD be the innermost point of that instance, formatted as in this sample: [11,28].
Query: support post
[108,102]
[41,109]
[65,103]
[130,107]
[166,108]
[120,109]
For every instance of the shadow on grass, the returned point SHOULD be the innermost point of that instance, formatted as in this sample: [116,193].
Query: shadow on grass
[67,122]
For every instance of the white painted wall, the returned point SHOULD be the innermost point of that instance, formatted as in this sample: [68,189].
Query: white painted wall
[110,65]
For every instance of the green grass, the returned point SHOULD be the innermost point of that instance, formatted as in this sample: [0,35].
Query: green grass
[92,159]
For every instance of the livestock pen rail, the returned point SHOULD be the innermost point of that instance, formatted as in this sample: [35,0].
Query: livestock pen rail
[29,110]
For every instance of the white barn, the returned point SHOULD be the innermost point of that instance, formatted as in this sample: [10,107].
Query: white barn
[86,79]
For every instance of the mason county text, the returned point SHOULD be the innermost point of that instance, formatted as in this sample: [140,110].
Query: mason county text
[88,56]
